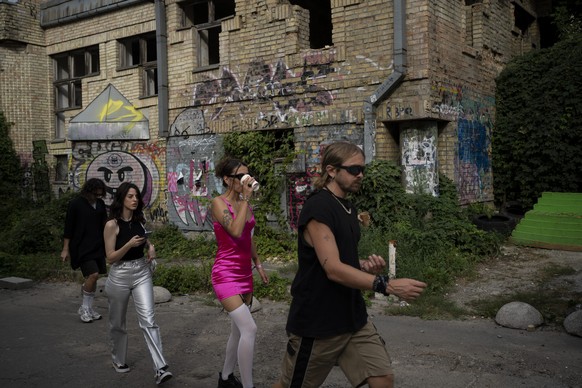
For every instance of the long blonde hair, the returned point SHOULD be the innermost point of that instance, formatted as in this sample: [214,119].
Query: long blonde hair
[335,154]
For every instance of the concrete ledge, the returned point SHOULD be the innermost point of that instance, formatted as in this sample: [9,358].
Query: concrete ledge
[15,283]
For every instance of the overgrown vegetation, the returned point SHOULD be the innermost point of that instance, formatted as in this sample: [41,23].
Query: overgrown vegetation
[10,176]
[267,153]
[435,241]
[538,128]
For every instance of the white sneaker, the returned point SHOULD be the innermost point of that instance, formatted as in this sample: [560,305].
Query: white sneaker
[85,314]
[94,315]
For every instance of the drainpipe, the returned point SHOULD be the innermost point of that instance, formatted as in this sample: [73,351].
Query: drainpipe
[390,84]
[162,61]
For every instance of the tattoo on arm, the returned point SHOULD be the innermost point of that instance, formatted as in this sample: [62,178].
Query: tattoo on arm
[226,218]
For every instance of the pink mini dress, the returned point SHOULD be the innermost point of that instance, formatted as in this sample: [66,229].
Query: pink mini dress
[232,272]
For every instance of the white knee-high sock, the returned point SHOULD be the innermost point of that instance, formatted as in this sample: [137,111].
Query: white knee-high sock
[231,348]
[247,327]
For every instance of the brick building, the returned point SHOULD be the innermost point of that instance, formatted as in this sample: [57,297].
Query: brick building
[144,90]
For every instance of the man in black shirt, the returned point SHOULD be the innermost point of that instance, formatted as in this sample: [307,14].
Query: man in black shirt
[328,322]
[83,241]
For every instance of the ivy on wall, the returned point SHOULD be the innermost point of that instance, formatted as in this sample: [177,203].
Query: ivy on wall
[538,130]
[267,153]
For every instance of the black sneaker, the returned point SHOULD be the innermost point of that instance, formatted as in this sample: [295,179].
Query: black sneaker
[163,375]
[231,382]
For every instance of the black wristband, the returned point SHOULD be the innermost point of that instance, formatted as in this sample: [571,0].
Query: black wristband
[380,284]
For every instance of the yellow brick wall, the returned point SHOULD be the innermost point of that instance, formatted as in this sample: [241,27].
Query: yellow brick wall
[269,79]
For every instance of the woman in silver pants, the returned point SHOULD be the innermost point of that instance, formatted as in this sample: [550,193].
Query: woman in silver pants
[131,275]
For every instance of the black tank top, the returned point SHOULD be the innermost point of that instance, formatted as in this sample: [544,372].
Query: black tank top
[126,231]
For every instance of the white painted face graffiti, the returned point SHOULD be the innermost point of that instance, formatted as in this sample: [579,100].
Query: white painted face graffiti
[115,168]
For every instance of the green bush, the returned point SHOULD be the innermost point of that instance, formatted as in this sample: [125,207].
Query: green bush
[184,278]
[538,128]
[172,244]
[277,288]
[435,240]
[260,150]
[35,228]
[276,244]
[36,266]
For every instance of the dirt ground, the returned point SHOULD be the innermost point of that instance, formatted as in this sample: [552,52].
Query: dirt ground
[43,343]
[518,269]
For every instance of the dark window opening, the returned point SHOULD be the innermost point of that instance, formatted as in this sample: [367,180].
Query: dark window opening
[61,168]
[320,25]
[523,19]
[205,16]
[141,51]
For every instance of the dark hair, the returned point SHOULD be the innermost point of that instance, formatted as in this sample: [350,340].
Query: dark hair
[116,208]
[335,154]
[91,186]
[228,166]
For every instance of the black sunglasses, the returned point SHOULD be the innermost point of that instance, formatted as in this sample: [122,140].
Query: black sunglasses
[355,170]
[237,176]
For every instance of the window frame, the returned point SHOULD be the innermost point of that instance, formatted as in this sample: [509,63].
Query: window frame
[138,50]
[68,75]
[61,160]
[207,32]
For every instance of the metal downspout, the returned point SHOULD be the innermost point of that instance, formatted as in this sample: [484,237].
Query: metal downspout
[390,84]
[162,61]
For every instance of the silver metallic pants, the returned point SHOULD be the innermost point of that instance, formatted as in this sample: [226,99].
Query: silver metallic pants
[132,278]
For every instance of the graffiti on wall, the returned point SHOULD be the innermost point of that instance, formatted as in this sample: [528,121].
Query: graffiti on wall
[474,162]
[301,185]
[190,180]
[474,118]
[119,162]
[264,83]
[109,116]
[188,123]
[419,160]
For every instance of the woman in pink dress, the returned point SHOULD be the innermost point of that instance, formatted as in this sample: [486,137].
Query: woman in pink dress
[232,277]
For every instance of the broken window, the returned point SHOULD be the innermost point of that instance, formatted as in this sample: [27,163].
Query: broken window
[523,19]
[205,16]
[68,70]
[61,168]
[140,51]
[320,26]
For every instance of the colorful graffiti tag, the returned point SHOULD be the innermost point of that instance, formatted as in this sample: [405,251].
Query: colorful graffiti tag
[190,179]
[119,162]
[264,83]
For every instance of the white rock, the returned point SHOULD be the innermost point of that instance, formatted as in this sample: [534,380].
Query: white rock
[161,295]
[518,315]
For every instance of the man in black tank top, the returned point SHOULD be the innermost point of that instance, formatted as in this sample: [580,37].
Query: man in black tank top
[328,323]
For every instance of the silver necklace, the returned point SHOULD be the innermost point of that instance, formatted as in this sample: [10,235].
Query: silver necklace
[349,211]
